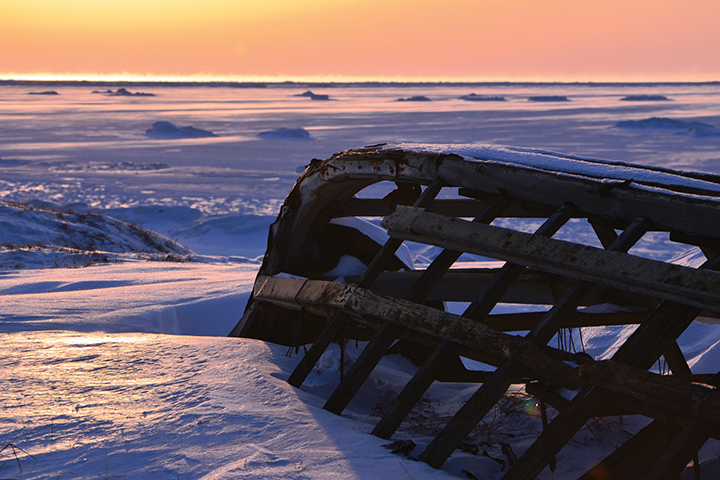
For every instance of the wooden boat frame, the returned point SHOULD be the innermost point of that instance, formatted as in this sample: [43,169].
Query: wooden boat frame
[293,304]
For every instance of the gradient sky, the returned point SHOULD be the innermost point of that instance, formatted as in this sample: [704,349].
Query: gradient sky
[550,40]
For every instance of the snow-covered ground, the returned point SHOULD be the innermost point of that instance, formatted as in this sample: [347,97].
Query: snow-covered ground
[119,366]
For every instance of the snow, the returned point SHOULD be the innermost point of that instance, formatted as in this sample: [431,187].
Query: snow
[122,369]
[379,235]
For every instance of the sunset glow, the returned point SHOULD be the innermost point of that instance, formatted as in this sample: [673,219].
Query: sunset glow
[493,40]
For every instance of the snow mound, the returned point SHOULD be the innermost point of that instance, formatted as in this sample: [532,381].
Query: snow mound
[416,98]
[482,98]
[695,129]
[313,96]
[39,237]
[285,134]
[549,98]
[645,98]
[166,130]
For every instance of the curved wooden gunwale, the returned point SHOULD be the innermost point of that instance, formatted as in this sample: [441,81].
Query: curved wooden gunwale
[327,189]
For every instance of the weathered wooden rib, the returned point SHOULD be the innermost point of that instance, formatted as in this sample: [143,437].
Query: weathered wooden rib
[661,297]
[677,283]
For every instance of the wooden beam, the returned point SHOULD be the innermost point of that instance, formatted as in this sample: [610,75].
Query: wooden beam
[531,287]
[360,303]
[680,284]
[698,401]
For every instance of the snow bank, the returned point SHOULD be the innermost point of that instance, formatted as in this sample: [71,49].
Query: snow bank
[38,237]
[166,130]
[286,134]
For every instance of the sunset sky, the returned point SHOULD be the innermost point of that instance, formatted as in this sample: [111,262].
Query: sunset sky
[516,40]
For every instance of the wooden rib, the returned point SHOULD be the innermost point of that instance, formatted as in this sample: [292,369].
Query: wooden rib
[676,283]
[532,287]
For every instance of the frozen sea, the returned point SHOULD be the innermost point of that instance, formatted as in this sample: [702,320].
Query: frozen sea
[120,369]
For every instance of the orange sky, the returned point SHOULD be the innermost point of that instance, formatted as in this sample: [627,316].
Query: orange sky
[553,40]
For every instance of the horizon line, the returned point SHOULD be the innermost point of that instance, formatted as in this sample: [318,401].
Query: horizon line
[338,79]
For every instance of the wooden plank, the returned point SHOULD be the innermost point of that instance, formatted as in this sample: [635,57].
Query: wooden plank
[363,304]
[516,322]
[702,402]
[532,287]
[680,284]
[376,207]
